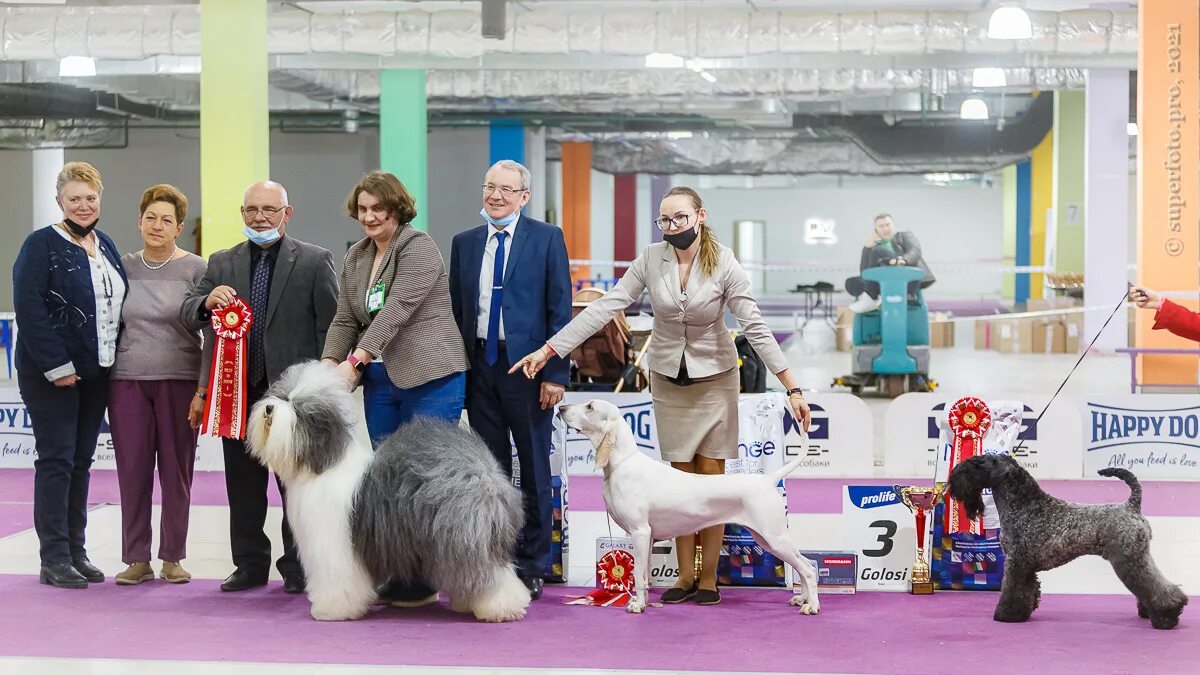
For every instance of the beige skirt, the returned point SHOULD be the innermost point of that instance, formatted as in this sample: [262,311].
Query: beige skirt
[699,419]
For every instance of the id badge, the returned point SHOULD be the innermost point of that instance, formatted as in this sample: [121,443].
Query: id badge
[375,298]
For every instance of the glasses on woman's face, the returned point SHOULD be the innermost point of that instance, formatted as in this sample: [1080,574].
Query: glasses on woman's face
[505,191]
[680,220]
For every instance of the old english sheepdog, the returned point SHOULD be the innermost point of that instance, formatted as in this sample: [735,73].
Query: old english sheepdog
[431,503]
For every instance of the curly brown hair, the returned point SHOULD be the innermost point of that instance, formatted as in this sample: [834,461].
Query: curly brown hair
[388,189]
[168,194]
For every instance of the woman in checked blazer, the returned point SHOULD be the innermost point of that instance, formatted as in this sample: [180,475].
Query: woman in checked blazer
[692,279]
[394,327]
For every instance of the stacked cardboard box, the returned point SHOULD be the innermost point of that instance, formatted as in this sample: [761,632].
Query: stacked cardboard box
[941,330]
[845,329]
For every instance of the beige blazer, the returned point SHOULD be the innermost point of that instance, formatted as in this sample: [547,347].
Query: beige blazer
[691,323]
[414,333]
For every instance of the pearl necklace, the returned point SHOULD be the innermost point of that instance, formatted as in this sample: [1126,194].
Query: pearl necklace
[171,257]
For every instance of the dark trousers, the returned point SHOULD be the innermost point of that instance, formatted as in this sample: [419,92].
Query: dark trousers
[66,423]
[150,426]
[246,486]
[499,404]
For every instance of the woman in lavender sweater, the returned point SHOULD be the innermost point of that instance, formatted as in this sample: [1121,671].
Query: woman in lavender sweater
[155,398]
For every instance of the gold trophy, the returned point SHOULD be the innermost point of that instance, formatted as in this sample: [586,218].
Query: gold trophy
[920,500]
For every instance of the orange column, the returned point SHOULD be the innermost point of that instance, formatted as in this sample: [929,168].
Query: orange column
[1168,171]
[577,204]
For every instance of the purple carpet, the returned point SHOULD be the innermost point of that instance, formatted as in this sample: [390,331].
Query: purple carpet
[750,630]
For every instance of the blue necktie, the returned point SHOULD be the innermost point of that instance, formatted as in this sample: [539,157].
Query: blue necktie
[260,284]
[492,348]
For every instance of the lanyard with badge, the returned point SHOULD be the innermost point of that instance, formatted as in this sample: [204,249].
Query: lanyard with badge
[375,298]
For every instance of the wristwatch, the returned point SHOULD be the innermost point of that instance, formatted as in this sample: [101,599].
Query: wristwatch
[201,395]
[795,390]
[358,365]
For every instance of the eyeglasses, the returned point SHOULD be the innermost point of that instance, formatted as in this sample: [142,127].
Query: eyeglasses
[672,223]
[267,211]
[488,189]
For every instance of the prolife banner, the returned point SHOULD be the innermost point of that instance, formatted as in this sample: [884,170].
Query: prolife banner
[1155,436]
[841,434]
[1051,448]
[17,448]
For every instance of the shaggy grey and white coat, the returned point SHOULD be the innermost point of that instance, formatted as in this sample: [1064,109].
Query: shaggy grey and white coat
[432,503]
[1040,532]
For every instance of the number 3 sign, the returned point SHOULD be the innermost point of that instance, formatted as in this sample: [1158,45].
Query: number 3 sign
[877,526]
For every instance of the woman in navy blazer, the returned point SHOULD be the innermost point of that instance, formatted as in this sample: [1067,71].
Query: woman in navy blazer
[68,287]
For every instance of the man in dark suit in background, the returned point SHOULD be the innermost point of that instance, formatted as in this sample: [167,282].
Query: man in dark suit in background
[510,285]
[292,291]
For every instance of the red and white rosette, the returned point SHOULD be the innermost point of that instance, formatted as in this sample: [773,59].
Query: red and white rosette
[225,415]
[969,420]
[614,575]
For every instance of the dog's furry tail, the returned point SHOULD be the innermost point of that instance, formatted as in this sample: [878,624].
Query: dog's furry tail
[1135,487]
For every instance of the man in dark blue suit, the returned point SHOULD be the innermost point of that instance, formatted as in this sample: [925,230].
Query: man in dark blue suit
[510,286]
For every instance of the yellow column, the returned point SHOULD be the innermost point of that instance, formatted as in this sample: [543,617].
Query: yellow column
[234,117]
[1041,199]
[1168,170]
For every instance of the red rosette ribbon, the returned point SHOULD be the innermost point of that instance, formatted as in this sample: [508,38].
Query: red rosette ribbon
[225,414]
[969,419]
[614,574]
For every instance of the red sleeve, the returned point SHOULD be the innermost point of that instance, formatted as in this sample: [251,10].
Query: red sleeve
[1179,320]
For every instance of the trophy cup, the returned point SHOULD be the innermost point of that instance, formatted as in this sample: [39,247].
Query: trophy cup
[919,500]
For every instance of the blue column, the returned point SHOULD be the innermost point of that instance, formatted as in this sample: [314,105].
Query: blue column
[1024,233]
[507,141]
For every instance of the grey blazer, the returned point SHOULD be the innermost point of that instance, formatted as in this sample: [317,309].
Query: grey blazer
[907,247]
[694,326]
[414,332]
[301,305]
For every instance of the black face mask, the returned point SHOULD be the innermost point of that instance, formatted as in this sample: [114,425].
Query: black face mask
[79,230]
[681,240]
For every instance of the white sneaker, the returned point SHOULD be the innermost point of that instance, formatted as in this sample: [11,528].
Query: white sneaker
[863,304]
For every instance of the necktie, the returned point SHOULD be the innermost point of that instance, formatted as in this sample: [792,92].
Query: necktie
[259,286]
[492,348]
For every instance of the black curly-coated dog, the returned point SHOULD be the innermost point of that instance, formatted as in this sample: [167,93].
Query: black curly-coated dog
[1040,532]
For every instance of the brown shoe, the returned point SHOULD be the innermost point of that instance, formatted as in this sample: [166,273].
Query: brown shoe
[174,573]
[135,574]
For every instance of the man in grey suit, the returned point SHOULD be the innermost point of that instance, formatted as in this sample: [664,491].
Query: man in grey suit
[292,290]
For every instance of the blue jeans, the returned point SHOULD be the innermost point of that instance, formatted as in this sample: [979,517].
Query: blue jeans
[388,406]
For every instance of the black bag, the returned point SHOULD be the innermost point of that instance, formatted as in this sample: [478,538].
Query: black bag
[752,372]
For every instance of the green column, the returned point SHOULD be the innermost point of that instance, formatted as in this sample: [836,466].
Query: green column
[1068,180]
[235,122]
[403,144]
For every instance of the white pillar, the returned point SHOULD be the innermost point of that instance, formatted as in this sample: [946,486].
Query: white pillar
[1106,204]
[535,161]
[44,165]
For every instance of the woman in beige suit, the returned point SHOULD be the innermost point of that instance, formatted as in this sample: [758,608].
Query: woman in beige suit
[394,326]
[691,279]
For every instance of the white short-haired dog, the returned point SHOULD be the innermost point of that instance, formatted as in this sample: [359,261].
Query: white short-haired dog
[431,503]
[653,501]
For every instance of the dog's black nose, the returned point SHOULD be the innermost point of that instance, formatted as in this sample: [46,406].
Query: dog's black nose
[268,409]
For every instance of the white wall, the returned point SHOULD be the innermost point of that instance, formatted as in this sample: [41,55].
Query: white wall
[16,214]
[952,223]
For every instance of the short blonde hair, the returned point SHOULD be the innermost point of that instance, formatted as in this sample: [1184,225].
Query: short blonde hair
[78,172]
[168,194]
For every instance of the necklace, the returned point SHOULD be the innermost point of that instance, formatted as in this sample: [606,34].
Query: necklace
[163,264]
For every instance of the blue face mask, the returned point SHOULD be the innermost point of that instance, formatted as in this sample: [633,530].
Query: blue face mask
[502,222]
[261,238]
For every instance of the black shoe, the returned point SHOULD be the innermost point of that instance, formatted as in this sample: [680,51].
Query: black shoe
[677,595]
[243,579]
[62,574]
[294,583]
[535,587]
[88,570]
[705,596]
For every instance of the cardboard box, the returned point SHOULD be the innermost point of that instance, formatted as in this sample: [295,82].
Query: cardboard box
[983,333]
[845,329]
[941,330]
[1044,304]
[837,571]
[1049,337]
[1013,336]
[1074,333]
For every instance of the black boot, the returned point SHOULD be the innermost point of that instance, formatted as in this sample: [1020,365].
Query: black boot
[62,574]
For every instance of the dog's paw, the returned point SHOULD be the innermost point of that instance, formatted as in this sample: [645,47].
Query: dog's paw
[635,606]
[327,613]
[514,614]
[807,607]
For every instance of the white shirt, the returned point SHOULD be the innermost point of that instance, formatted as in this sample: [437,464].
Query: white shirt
[109,289]
[485,277]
